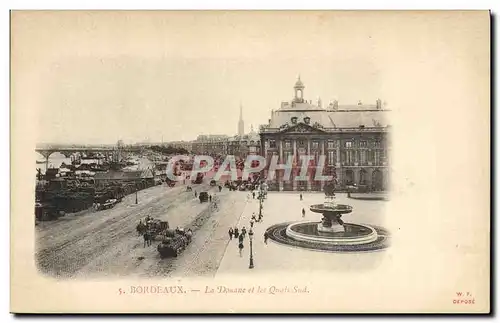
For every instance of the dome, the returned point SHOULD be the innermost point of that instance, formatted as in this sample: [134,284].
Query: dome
[299,83]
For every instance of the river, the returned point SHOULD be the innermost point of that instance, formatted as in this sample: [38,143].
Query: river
[56,160]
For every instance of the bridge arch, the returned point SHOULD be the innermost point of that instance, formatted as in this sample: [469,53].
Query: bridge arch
[47,153]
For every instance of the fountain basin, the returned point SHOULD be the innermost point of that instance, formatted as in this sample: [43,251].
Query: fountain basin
[277,233]
[353,234]
[331,208]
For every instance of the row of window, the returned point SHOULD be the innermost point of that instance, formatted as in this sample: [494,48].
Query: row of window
[348,157]
[222,145]
[331,144]
[363,144]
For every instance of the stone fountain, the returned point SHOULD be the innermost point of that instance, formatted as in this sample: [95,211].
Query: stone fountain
[332,213]
[332,233]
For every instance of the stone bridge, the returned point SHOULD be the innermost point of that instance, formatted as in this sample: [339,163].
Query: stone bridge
[67,151]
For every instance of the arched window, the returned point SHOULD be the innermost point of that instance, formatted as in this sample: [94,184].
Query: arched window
[349,177]
[362,177]
[299,94]
[377,180]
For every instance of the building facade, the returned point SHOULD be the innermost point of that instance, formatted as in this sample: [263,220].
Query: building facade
[242,146]
[187,145]
[210,145]
[355,140]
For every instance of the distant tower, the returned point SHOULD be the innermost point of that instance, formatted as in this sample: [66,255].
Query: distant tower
[241,124]
[299,91]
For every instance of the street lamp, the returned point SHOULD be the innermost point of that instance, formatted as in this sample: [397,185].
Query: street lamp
[250,236]
[261,199]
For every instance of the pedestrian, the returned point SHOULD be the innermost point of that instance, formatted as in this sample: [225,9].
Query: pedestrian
[147,238]
[253,195]
[252,222]
[236,233]
[195,194]
[240,246]
[301,196]
[220,188]
[266,236]
[210,198]
[303,212]
[243,231]
[230,233]
[253,217]
[241,238]
[260,218]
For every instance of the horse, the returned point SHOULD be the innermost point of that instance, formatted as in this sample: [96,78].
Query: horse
[141,228]
[148,238]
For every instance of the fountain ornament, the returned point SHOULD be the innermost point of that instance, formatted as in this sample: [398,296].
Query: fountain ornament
[332,233]
[332,212]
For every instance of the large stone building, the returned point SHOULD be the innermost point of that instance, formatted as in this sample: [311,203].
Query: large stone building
[353,138]
[244,145]
[240,145]
[187,145]
[210,145]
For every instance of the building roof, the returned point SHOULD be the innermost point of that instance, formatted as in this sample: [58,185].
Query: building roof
[209,138]
[127,176]
[147,173]
[299,106]
[251,136]
[334,116]
[332,119]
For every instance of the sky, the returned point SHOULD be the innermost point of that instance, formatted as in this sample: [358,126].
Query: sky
[97,77]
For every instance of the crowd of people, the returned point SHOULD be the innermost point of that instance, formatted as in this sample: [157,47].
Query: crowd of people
[240,234]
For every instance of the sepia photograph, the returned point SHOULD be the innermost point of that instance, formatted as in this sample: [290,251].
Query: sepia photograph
[140,209]
[291,154]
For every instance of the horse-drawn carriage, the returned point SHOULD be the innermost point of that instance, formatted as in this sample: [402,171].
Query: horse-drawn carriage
[106,205]
[203,197]
[153,228]
[174,242]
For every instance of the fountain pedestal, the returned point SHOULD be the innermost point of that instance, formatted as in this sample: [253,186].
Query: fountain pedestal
[330,224]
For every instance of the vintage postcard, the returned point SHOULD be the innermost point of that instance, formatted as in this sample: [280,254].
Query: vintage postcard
[250,161]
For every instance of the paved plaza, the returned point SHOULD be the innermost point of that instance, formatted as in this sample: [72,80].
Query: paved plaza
[93,245]
[285,207]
